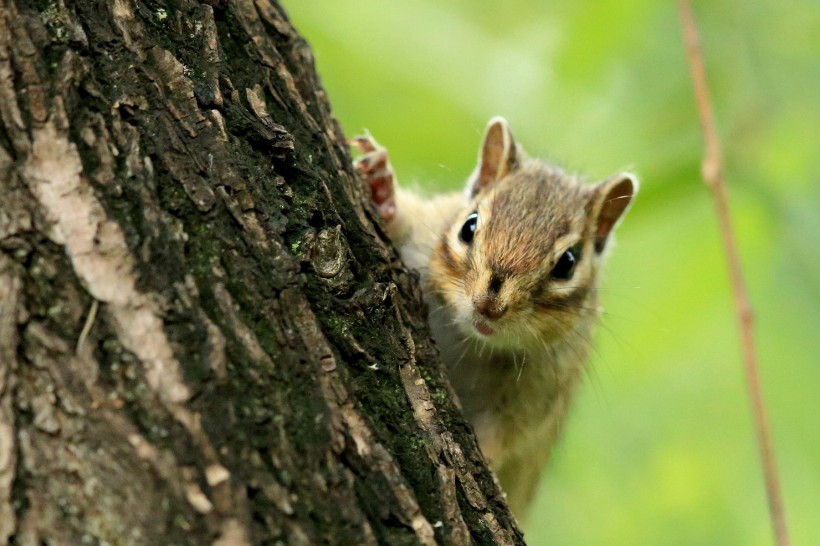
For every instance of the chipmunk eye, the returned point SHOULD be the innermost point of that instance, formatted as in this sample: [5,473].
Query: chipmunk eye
[468,229]
[565,266]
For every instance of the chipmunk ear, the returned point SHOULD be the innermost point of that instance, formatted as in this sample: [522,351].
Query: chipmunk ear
[497,157]
[610,201]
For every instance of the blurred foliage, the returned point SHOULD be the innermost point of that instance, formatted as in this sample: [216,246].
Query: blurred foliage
[660,447]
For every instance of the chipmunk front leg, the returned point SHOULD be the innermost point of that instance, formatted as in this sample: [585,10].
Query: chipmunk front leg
[413,222]
[374,168]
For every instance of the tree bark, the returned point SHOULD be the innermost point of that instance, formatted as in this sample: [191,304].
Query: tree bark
[204,336]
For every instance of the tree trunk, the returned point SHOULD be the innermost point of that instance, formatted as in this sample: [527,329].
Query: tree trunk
[204,337]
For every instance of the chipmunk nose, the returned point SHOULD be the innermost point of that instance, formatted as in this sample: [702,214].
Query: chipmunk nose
[490,307]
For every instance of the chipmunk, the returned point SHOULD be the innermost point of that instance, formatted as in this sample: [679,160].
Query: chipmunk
[510,270]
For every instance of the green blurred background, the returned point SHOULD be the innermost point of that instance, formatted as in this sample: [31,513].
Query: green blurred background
[660,447]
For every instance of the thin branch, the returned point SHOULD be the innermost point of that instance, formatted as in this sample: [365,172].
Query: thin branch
[712,171]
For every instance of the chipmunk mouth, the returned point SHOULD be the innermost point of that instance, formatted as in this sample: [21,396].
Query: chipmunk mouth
[483,328]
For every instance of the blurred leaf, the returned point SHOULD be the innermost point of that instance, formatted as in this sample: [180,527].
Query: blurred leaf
[660,447]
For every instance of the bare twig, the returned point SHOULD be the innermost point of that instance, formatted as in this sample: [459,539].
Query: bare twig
[712,170]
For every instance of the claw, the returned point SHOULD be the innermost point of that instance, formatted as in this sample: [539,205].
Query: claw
[374,168]
[364,144]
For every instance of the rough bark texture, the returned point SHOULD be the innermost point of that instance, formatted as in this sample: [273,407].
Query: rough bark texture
[204,338]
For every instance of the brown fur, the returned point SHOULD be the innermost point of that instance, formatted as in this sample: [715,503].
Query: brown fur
[515,384]
[531,209]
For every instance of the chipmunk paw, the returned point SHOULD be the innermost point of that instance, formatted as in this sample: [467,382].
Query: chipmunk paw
[374,168]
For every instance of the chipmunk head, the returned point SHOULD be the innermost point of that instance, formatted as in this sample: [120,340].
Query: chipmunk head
[519,265]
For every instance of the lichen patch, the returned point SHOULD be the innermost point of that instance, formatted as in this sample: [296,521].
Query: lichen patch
[97,249]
